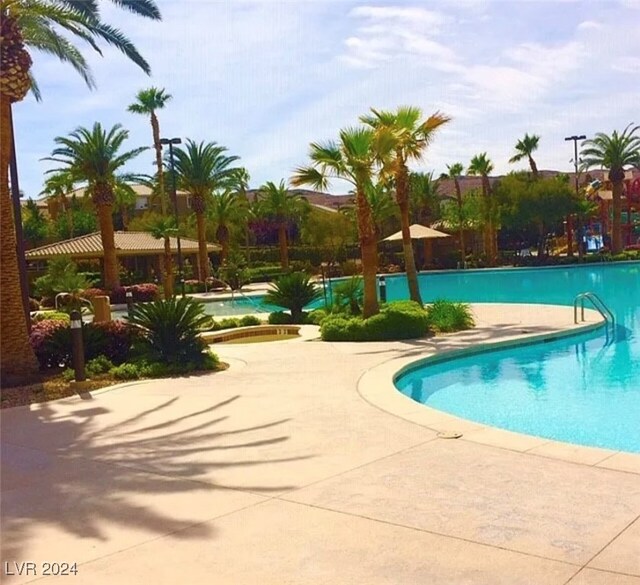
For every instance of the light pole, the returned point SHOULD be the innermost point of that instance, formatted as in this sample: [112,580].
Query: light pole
[174,196]
[579,226]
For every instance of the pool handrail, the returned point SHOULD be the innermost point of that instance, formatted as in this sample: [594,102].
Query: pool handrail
[598,304]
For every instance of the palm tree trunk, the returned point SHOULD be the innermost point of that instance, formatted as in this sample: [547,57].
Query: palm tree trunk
[369,252]
[407,246]
[111,273]
[155,127]
[463,253]
[616,227]
[534,167]
[203,256]
[282,242]
[17,361]
[168,269]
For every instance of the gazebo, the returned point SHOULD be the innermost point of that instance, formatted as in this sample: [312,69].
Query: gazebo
[137,251]
[420,232]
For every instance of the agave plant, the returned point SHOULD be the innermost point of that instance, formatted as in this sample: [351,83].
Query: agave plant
[169,329]
[294,292]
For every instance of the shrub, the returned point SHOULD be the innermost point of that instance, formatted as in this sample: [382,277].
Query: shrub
[90,293]
[234,271]
[169,329]
[294,292]
[142,293]
[350,268]
[99,365]
[249,320]
[51,342]
[267,273]
[446,316]
[316,317]
[397,320]
[280,318]
[229,323]
[125,372]
[51,316]
[62,276]
[69,375]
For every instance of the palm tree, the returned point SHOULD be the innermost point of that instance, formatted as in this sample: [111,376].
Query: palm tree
[614,152]
[352,159]
[202,169]
[227,210]
[424,197]
[92,156]
[481,165]
[124,200]
[454,172]
[148,101]
[281,205]
[56,188]
[25,26]
[410,136]
[162,228]
[525,148]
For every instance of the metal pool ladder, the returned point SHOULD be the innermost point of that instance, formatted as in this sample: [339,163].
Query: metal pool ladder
[599,305]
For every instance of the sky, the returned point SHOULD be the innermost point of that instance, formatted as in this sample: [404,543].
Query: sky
[266,78]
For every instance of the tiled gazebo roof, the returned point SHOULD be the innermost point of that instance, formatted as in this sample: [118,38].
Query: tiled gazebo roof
[127,244]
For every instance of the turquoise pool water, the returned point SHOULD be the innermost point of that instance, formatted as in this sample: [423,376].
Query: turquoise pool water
[579,389]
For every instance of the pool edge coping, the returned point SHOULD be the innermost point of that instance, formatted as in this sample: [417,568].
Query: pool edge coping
[377,387]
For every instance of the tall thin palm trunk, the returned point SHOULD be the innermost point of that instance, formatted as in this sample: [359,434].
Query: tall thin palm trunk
[17,361]
[155,127]
[369,248]
[616,226]
[168,269]
[402,198]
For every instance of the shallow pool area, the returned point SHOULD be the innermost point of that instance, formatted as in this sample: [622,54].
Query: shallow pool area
[583,389]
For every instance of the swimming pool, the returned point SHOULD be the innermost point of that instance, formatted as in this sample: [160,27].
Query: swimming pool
[578,389]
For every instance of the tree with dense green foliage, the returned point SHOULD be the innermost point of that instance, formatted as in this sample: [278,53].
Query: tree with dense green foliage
[24,27]
[454,172]
[293,291]
[62,276]
[281,205]
[614,152]
[95,156]
[409,136]
[352,158]
[482,166]
[57,188]
[201,170]
[35,226]
[148,102]
[424,198]
[525,147]
[78,221]
[541,203]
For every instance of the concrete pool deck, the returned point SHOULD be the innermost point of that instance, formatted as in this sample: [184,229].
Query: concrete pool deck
[289,467]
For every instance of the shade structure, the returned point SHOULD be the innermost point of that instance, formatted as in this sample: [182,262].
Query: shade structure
[418,232]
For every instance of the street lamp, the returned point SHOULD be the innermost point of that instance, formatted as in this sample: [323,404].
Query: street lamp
[174,196]
[575,163]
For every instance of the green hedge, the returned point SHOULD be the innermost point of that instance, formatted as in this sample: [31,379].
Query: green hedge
[396,320]
[447,317]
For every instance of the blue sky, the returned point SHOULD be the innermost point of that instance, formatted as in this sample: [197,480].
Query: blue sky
[266,78]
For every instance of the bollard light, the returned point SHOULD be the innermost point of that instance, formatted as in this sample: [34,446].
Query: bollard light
[383,290]
[77,346]
[129,296]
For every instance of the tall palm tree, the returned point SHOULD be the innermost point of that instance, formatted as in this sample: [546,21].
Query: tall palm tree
[124,200]
[93,156]
[410,136]
[353,159]
[202,169]
[163,228]
[614,152]
[525,147]
[25,26]
[281,205]
[482,166]
[148,101]
[227,210]
[424,197]
[454,172]
[57,187]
